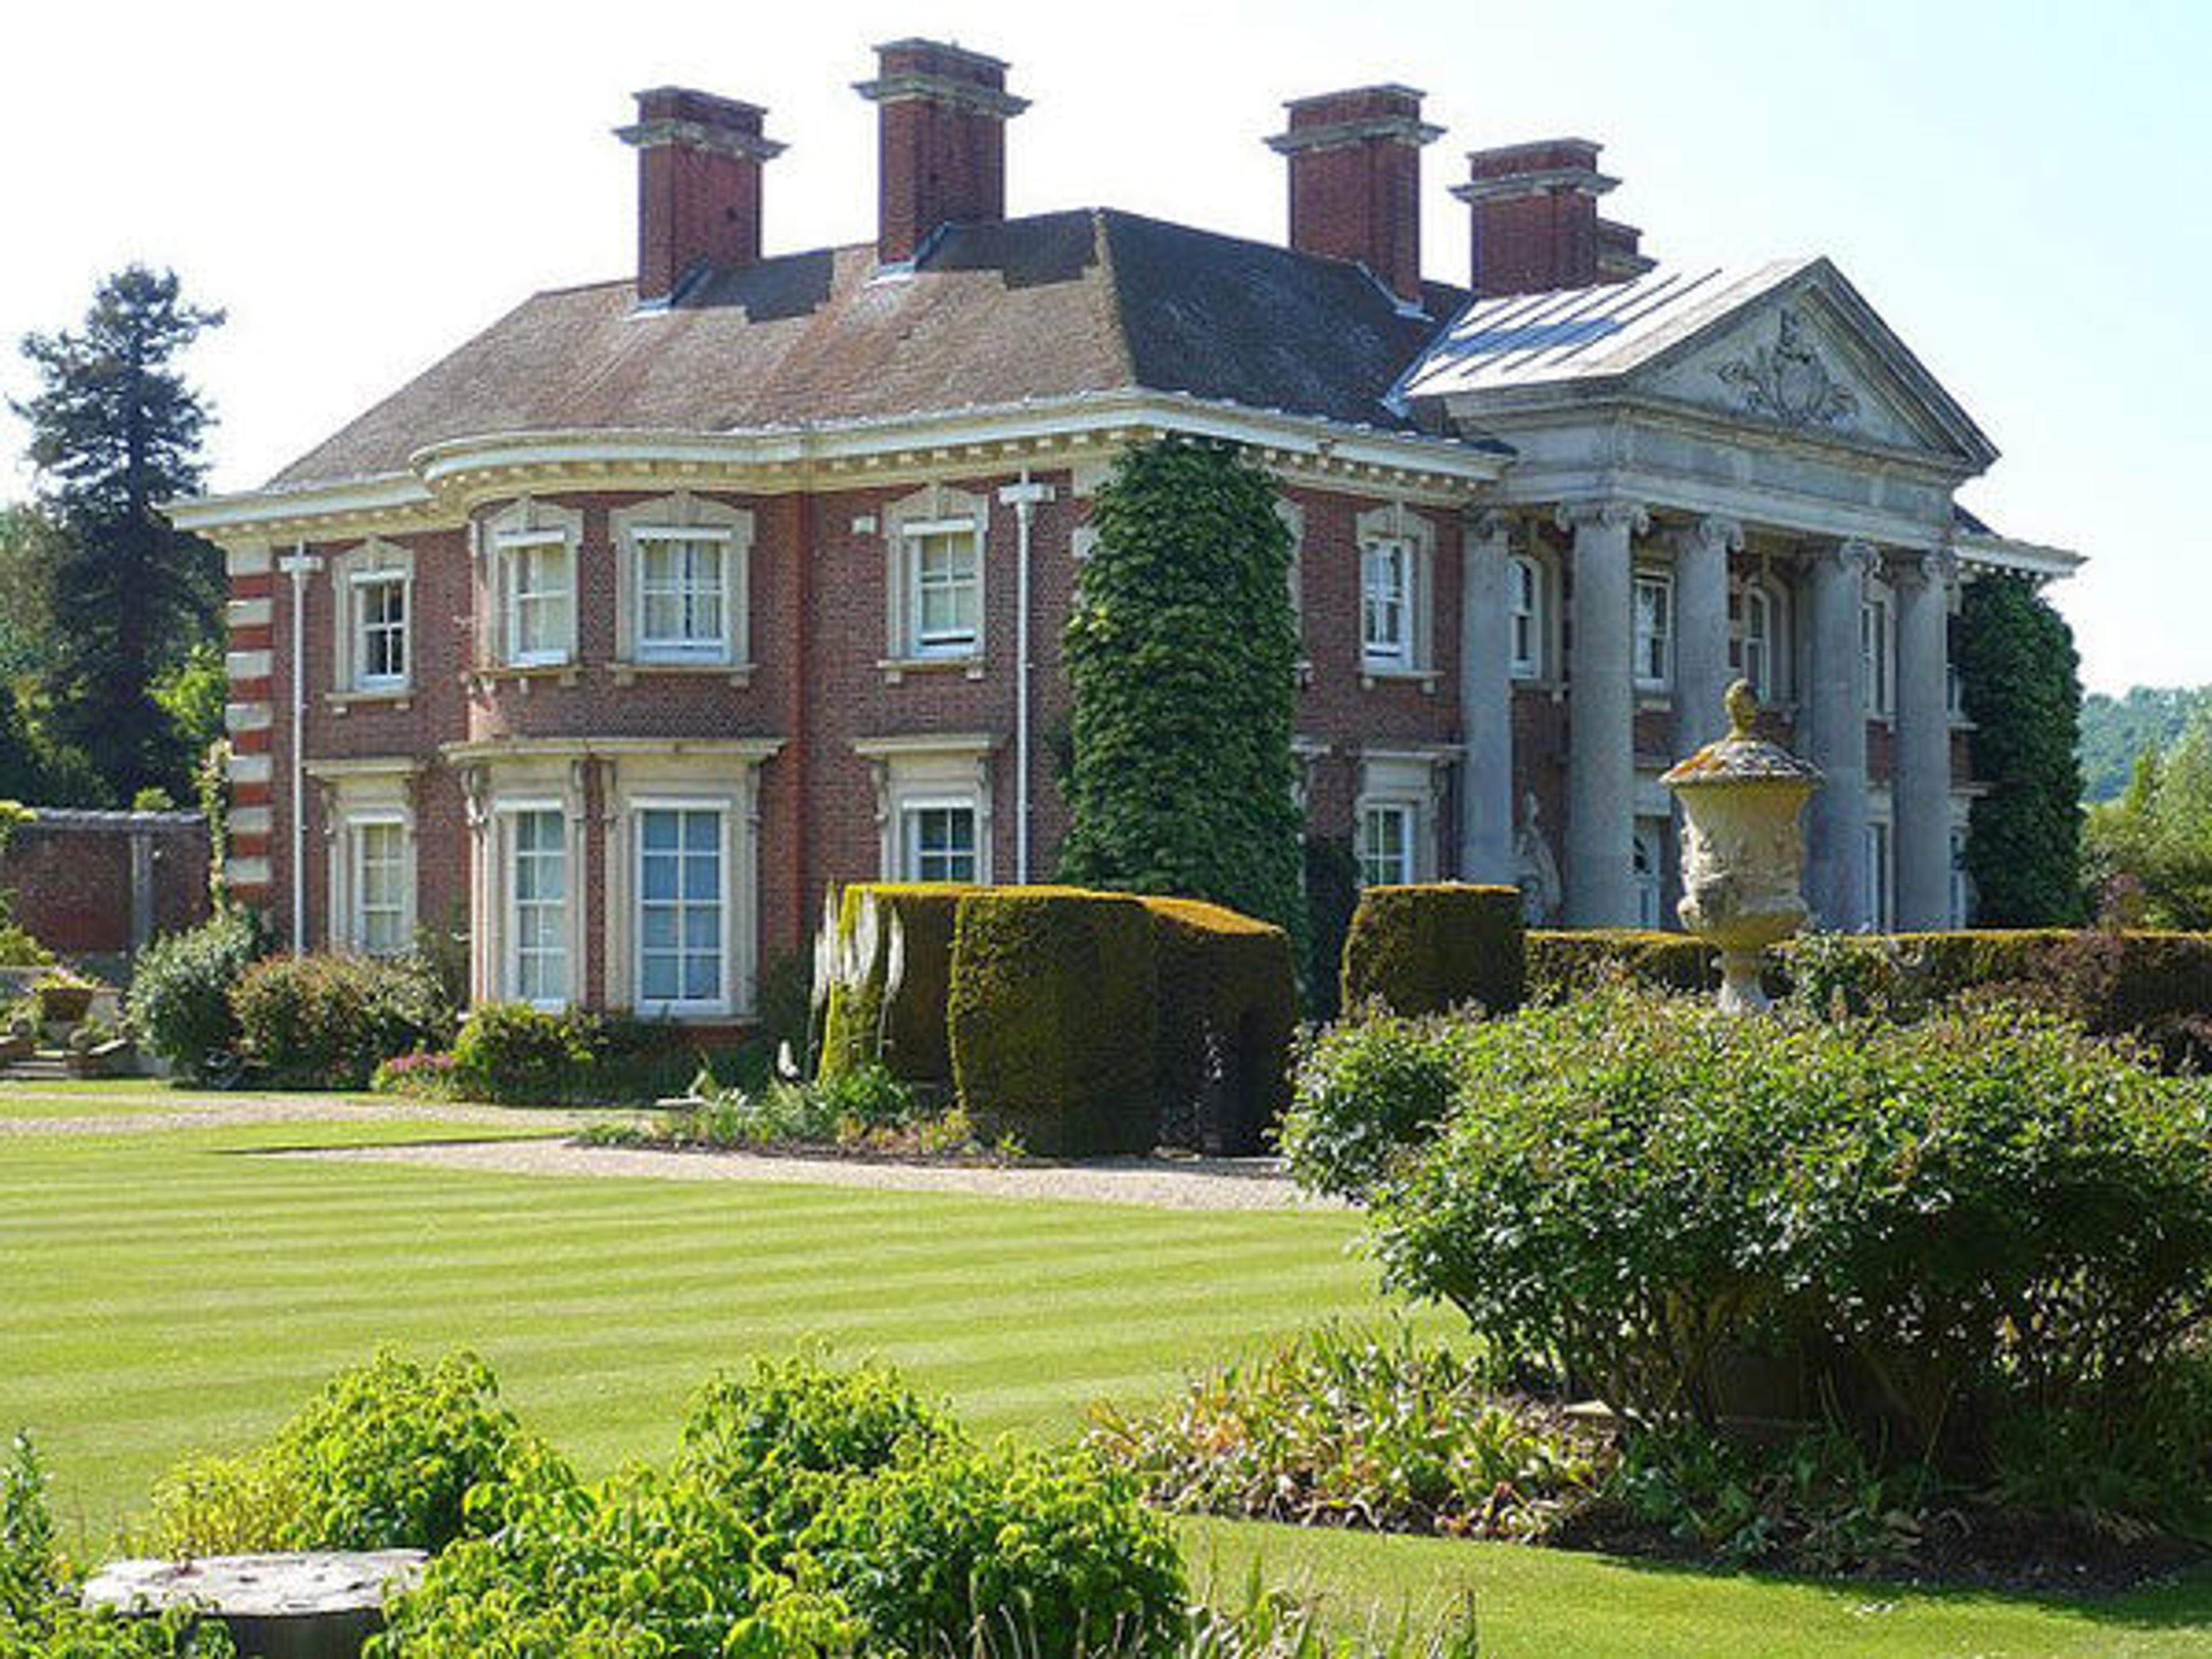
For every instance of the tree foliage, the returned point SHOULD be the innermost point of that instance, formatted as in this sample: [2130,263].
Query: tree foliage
[115,431]
[2150,852]
[1182,652]
[2019,672]
[2117,732]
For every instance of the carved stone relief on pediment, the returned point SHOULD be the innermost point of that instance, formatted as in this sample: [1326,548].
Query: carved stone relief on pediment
[1781,365]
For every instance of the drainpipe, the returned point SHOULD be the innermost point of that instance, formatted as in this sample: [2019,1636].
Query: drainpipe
[1023,497]
[299,567]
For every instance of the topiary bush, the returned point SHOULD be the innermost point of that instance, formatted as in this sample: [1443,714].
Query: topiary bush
[328,1022]
[180,990]
[1566,962]
[1941,1225]
[1228,1010]
[910,1040]
[1425,948]
[1054,1017]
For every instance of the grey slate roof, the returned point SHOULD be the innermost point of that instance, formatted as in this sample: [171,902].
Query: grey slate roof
[1061,304]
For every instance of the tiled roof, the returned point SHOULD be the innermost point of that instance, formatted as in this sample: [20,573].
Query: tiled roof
[1049,307]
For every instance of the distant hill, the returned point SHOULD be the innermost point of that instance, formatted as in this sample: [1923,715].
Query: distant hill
[2115,730]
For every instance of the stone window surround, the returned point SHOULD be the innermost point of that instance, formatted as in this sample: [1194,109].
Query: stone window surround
[949,770]
[355,793]
[524,523]
[683,515]
[1395,521]
[357,567]
[1414,778]
[935,508]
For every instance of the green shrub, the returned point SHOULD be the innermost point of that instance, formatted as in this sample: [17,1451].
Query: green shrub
[1352,1428]
[328,1022]
[1945,1224]
[180,991]
[1566,962]
[1228,1009]
[1366,1089]
[910,1038]
[1053,1019]
[385,1457]
[513,1052]
[1050,1555]
[17,948]
[802,1413]
[643,1563]
[1423,950]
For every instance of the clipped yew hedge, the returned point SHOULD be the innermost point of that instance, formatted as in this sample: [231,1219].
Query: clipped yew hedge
[1567,962]
[1426,948]
[914,1047]
[1228,1007]
[1052,1019]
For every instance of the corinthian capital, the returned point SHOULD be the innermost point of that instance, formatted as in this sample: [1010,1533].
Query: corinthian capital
[1938,567]
[1852,558]
[1713,534]
[1604,513]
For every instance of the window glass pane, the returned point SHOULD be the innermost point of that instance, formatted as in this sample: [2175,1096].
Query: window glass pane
[680,905]
[538,914]
[1386,844]
[1385,566]
[680,584]
[945,589]
[940,843]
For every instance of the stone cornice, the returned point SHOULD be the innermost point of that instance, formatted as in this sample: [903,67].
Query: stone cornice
[697,134]
[1342,134]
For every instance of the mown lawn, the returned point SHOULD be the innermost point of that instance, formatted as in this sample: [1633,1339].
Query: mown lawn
[165,1292]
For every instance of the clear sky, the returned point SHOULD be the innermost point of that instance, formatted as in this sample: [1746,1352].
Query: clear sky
[2019,188]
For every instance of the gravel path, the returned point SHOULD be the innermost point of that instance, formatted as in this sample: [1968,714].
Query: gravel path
[133,1114]
[1159,1184]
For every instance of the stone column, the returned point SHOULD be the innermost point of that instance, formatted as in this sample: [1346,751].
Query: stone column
[1701,631]
[1920,763]
[1835,728]
[1601,876]
[1485,702]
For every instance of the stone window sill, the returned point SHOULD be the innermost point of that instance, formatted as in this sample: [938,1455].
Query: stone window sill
[737,673]
[895,669]
[1427,678]
[399,697]
[524,674]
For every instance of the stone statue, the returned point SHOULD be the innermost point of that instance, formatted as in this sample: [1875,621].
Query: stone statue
[1535,872]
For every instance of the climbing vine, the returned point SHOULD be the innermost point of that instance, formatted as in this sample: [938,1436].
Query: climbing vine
[2018,671]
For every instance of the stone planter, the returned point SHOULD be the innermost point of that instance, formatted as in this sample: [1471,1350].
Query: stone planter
[118,1058]
[65,1004]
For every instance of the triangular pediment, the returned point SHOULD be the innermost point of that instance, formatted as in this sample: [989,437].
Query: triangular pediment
[1812,357]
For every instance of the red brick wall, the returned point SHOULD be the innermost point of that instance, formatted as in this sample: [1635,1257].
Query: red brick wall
[70,877]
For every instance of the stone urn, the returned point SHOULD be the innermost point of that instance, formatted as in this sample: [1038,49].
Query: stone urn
[1743,853]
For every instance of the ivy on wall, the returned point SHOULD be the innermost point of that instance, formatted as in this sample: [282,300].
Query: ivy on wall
[2019,673]
[1182,652]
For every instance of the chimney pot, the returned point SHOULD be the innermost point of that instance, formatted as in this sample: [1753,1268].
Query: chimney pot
[941,141]
[699,160]
[1355,179]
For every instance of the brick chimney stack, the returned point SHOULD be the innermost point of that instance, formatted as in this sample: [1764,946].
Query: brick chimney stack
[941,141]
[699,162]
[1355,179]
[1536,225]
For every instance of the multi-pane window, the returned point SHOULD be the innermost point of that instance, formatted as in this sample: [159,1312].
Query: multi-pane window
[1386,843]
[681,907]
[1875,655]
[1524,618]
[939,842]
[683,603]
[1877,877]
[1386,604]
[379,610]
[945,589]
[379,888]
[1655,631]
[540,586]
[1755,646]
[537,882]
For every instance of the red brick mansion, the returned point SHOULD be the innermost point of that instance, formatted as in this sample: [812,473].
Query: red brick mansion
[619,633]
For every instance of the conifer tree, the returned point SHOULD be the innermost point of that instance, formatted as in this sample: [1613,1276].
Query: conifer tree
[116,431]
[2017,668]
